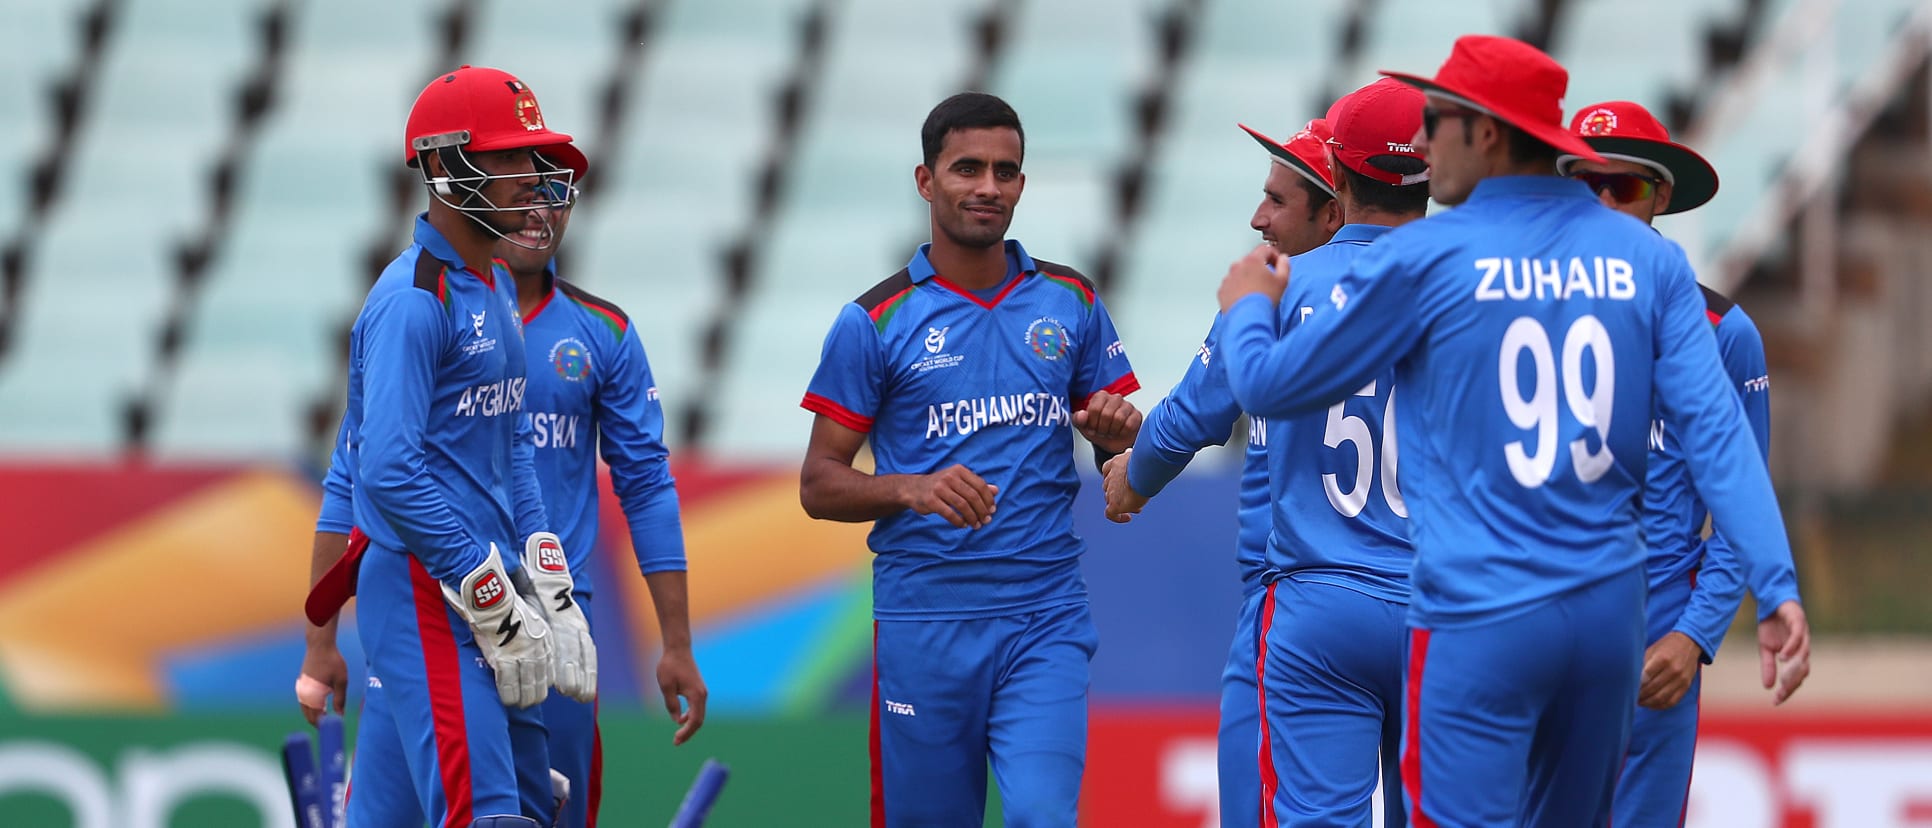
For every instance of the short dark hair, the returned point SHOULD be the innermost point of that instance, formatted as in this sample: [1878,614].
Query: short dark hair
[967,110]
[1317,196]
[1527,149]
[1401,199]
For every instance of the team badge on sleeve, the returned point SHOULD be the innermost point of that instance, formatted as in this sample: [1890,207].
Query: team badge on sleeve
[1047,338]
[570,359]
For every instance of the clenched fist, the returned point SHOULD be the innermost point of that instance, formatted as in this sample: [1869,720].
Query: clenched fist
[1109,421]
[954,493]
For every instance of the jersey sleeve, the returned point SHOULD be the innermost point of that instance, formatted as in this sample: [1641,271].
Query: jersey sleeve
[1103,361]
[1199,412]
[1713,603]
[403,341]
[1370,319]
[1725,461]
[630,424]
[531,516]
[850,380]
[338,496]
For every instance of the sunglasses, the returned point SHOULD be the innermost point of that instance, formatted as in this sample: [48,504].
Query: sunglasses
[1623,188]
[1432,115]
[557,194]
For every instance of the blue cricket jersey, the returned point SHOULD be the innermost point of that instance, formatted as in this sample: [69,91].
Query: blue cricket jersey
[1529,329]
[1201,412]
[432,451]
[1338,516]
[591,393]
[1673,513]
[937,375]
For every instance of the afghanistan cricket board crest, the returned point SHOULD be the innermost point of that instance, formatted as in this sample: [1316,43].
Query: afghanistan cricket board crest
[570,359]
[1047,338]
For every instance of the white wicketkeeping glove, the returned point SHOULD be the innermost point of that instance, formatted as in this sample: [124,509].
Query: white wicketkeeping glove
[511,632]
[574,656]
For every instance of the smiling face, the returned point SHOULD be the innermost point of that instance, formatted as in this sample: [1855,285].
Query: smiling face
[1289,217]
[973,185]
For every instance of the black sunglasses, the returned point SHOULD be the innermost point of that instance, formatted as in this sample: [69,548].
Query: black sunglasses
[1432,115]
[1623,188]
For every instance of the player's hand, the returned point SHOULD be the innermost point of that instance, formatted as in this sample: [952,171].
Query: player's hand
[1784,650]
[573,655]
[1123,503]
[324,674]
[954,493]
[509,630]
[677,675]
[1669,666]
[1251,274]
[1109,421]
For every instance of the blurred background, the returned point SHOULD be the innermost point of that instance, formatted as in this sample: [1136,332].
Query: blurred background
[196,194]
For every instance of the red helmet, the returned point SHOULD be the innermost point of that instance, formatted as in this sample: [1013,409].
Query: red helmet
[481,109]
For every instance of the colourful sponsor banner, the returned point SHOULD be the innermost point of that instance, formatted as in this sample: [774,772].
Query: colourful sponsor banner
[208,771]
[1156,769]
[1149,768]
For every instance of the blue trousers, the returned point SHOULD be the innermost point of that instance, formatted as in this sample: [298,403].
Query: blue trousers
[1239,739]
[947,695]
[435,743]
[1654,787]
[1331,695]
[574,746]
[1523,720]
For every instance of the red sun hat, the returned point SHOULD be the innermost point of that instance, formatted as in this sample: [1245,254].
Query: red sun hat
[1303,152]
[1511,80]
[497,111]
[1378,120]
[1625,131]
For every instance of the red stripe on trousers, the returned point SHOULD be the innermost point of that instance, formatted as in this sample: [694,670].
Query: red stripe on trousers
[1699,702]
[596,792]
[1269,782]
[878,754]
[442,666]
[1412,755]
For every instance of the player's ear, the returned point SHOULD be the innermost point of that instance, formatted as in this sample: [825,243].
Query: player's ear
[1660,199]
[922,178]
[1330,215]
[1019,187]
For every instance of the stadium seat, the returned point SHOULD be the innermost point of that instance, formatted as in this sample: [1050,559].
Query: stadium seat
[566,52]
[231,405]
[1630,51]
[775,349]
[1072,73]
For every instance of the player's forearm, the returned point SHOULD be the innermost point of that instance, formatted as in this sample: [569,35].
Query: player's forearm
[830,490]
[1713,602]
[673,609]
[1260,364]
[328,549]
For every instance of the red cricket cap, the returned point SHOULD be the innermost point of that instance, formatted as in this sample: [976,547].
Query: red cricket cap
[1511,80]
[1625,131]
[484,110]
[1303,152]
[1377,120]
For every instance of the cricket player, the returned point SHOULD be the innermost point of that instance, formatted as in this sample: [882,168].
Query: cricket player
[1530,330]
[1694,584]
[1298,212]
[1333,624]
[964,371]
[591,394]
[463,642]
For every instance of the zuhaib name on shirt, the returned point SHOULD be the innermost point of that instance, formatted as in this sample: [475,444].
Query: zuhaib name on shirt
[505,396]
[1548,279]
[963,417]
